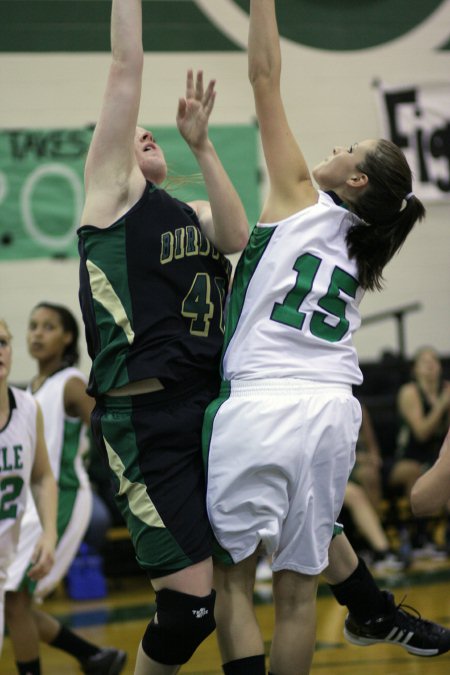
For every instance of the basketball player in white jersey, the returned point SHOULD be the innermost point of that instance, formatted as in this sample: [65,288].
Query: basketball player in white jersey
[23,463]
[60,389]
[281,438]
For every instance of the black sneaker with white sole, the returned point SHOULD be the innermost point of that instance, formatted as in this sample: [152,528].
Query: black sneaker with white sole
[399,627]
[107,661]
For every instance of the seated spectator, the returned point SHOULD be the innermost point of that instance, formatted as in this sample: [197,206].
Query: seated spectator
[424,408]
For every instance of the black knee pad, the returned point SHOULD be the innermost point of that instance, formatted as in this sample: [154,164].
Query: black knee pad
[180,624]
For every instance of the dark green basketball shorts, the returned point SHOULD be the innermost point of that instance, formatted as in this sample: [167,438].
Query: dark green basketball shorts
[152,443]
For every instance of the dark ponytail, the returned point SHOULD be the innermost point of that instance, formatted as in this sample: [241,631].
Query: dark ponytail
[388,211]
[71,354]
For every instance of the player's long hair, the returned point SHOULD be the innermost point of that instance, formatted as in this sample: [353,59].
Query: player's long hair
[388,211]
[174,181]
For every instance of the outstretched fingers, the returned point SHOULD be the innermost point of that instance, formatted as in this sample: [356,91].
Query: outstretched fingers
[199,85]
[194,110]
[182,105]
[209,97]
[190,89]
[197,91]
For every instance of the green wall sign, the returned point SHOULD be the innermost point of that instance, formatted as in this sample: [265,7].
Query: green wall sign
[41,182]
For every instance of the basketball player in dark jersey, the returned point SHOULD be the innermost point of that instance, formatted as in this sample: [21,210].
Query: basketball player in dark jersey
[153,281]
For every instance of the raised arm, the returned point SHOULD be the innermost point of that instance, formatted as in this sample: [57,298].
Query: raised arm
[111,171]
[223,219]
[290,181]
[45,494]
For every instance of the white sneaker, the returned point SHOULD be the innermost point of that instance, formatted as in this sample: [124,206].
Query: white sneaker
[388,561]
[429,551]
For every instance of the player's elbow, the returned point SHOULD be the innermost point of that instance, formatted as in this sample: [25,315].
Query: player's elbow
[243,238]
[238,242]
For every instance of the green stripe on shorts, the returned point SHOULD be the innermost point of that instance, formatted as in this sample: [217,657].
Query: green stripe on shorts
[337,529]
[219,553]
[153,542]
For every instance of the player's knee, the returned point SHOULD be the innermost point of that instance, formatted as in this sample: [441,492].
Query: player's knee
[16,605]
[180,625]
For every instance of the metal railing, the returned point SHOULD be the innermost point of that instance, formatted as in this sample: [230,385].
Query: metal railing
[398,314]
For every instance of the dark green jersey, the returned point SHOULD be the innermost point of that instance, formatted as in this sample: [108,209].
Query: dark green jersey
[423,451]
[152,292]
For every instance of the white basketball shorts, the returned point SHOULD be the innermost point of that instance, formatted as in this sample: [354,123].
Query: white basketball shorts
[66,548]
[279,454]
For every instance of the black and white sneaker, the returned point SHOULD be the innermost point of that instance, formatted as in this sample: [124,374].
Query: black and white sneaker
[399,627]
[107,661]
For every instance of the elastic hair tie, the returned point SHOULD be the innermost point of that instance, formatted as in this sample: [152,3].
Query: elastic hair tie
[409,195]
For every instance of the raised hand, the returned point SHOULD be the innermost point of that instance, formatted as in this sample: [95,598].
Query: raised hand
[194,110]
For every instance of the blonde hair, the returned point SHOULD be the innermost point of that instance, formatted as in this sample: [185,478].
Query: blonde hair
[6,327]
[176,181]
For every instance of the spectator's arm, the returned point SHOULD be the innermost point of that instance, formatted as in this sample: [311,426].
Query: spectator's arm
[432,490]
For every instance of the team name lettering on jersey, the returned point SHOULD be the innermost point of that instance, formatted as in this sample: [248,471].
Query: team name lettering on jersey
[187,241]
[10,458]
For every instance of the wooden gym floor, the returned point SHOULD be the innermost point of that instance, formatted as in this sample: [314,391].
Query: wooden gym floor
[120,619]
